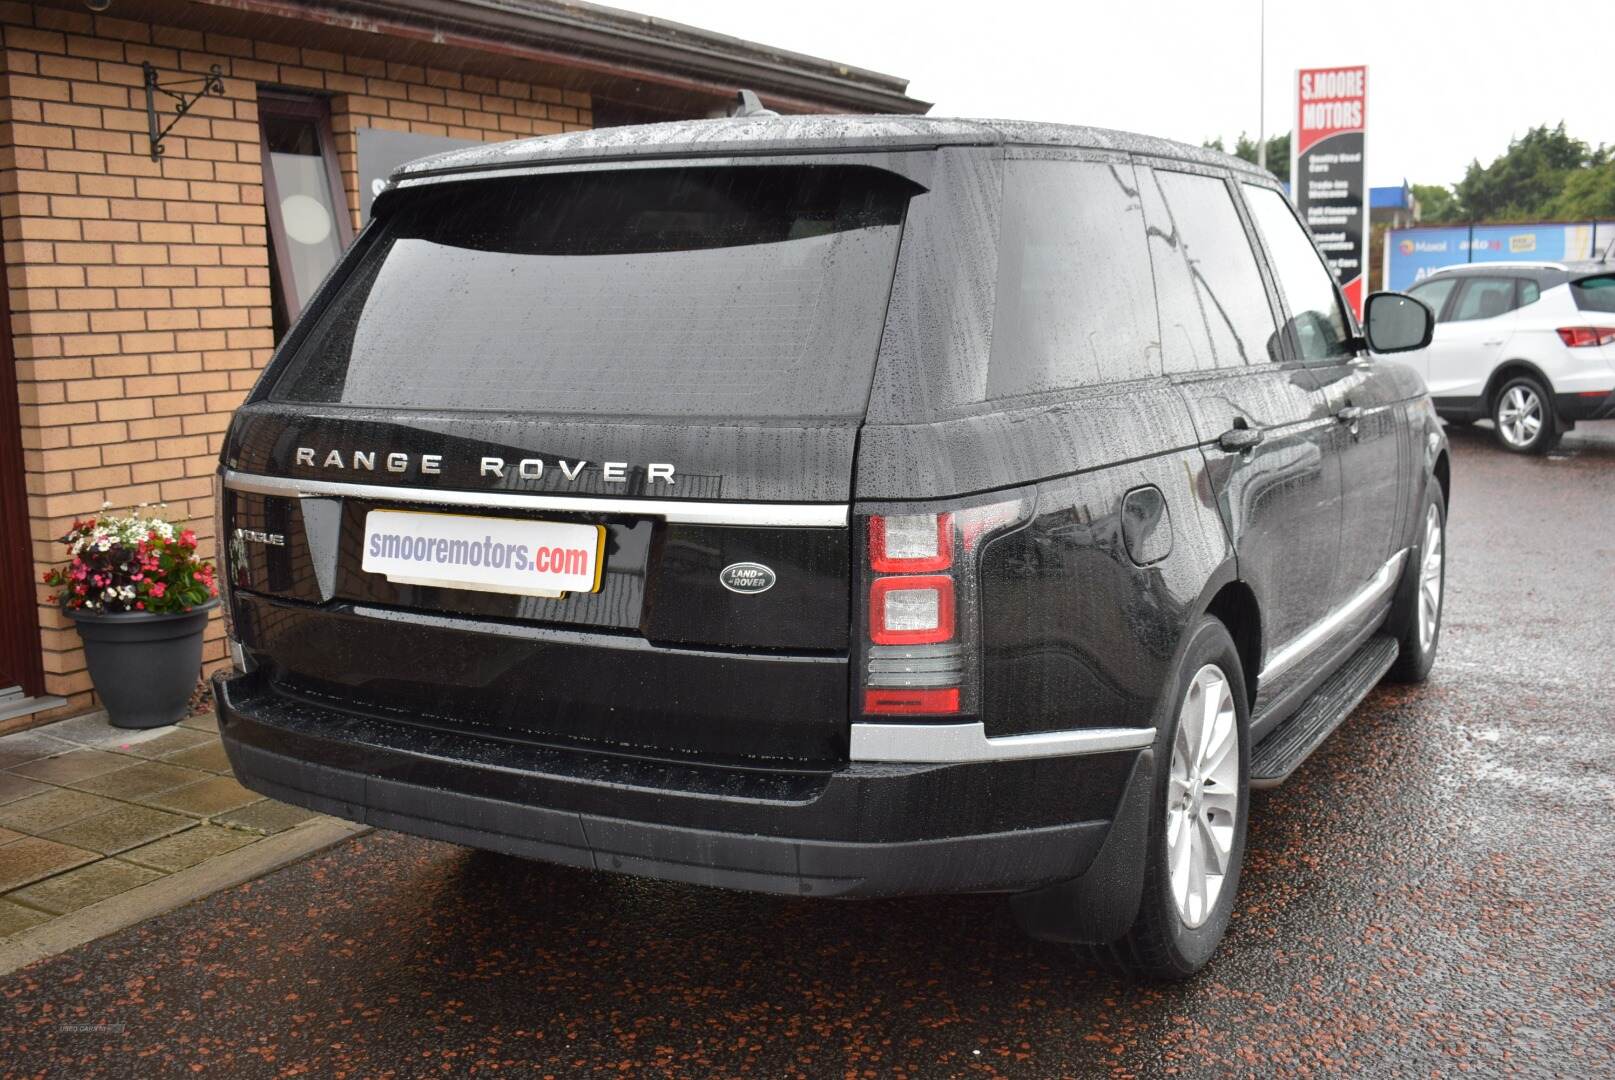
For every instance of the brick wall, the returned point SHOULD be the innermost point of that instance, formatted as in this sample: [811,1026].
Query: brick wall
[140,290]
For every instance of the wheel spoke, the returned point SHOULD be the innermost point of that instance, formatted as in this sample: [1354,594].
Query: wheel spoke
[1216,844]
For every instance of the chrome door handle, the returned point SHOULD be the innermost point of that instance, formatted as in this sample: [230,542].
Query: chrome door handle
[1240,438]
[1494,341]
[1350,414]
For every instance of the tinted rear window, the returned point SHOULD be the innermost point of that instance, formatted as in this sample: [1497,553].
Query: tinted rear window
[730,292]
[1595,293]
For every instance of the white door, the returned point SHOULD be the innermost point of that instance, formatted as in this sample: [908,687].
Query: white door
[1466,347]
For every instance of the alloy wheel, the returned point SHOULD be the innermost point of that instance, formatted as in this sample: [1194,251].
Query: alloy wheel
[1202,799]
[1519,416]
[1430,579]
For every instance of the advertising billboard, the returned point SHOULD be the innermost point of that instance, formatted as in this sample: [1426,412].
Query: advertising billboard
[1326,170]
[1411,254]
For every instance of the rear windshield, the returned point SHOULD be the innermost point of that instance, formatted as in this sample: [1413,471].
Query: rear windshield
[756,291]
[1595,293]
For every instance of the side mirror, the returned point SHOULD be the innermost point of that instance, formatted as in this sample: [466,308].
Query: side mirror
[1396,322]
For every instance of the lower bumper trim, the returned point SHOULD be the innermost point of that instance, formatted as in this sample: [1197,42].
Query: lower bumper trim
[944,743]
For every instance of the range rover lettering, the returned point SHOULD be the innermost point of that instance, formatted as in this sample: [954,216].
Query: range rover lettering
[833,507]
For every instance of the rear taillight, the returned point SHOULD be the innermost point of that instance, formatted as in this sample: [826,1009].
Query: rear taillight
[1585,337]
[920,639]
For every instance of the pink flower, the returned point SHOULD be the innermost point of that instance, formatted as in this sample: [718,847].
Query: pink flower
[140,605]
[188,538]
[157,589]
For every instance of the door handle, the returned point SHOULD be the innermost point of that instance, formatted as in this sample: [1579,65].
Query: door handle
[1236,439]
[1350,414]
[1494,341]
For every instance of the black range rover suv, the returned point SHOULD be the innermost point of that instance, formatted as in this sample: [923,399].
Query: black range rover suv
[834,506]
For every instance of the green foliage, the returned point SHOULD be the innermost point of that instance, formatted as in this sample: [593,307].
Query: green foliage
[1437,205]
[1524,181]
[1544,175]
[1278,152]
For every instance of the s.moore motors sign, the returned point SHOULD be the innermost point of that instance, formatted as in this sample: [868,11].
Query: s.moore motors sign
[1326,170]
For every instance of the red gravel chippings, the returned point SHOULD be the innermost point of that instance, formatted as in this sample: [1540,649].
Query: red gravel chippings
[1429,896]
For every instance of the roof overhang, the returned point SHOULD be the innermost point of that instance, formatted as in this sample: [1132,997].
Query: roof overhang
[602,45]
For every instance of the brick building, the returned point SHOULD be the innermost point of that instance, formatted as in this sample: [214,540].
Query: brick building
[146,290]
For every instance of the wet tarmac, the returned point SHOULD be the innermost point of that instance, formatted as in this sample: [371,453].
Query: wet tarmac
[1430,895]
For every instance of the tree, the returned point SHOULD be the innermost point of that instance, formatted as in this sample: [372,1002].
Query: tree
[1437,204]
[1588,193]
[1278,152]
[1524,181]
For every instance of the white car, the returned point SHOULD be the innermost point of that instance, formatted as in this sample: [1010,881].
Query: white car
[1529,345]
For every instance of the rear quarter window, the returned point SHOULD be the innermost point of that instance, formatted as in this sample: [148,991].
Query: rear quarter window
[1075,303]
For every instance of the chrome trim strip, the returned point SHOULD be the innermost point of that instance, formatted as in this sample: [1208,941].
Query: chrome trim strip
[782,515]
[1314,635]
[946,743]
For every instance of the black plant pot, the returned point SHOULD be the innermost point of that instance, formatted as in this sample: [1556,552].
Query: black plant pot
[144,666]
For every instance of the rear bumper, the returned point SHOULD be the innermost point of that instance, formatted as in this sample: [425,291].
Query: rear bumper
[1594,406]
[856,830]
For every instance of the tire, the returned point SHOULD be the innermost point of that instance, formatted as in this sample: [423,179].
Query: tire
[1168,942]
[1524,417]
[1421,595]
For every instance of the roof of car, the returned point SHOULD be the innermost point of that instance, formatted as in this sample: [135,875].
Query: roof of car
[1568,269]
[800,134]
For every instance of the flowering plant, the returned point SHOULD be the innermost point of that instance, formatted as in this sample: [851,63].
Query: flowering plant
[134,562]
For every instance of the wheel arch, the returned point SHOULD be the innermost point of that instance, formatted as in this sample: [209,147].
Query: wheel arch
[1234,605]
[1507,370]
[1443,474]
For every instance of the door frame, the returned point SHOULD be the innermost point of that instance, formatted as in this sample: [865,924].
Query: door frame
[21,655]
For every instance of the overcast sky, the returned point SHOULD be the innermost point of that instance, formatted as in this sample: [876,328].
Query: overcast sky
[1448,80]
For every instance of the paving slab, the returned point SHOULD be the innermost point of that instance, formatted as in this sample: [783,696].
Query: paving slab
[120,829]
[266,816]
[32,858]
[95,730]
[8,835]
[139,779]
[15,918]
[13,787]
[170,740]
[79,763]
[51,809]
[84,886]
[212,796]
[207,721]
[28,746]
[189,848]
[209,756]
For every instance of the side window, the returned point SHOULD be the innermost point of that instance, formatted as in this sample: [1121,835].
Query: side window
[1317,321]
[1528,293]
[1214,309]
[1434,293]
[1075,303]
[1484,298]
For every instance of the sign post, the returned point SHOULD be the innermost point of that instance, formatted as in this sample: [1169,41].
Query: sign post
[1326,170]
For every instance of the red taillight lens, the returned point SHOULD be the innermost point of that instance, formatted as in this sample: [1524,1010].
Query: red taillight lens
[1585,337]
[911,610]
[913,702]
[919,651]
[910,543]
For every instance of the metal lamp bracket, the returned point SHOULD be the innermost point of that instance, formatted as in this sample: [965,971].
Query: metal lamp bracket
[184,92]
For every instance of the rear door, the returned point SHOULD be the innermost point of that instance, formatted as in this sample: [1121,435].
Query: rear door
[664,370]
[1221,345]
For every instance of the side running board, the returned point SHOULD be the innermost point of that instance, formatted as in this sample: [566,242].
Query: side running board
[1288,745]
